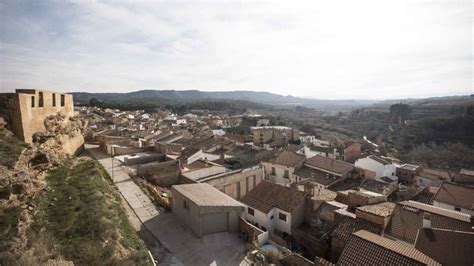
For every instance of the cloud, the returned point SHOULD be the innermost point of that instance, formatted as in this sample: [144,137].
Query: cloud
[325,49]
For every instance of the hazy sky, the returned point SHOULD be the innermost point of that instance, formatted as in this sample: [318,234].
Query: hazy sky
[322,49]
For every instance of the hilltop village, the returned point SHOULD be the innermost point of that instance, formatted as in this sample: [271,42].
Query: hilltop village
[273,195]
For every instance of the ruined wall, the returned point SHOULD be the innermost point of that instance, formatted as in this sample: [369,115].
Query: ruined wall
[118,150]
[31,107]
[62,134]
[237,184]
[144,159]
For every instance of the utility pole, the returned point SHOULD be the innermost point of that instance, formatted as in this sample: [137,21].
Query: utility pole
[113,179]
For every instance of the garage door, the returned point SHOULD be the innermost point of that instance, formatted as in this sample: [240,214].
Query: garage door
[215,223]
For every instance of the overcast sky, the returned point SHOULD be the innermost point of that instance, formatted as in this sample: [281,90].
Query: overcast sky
[322,49]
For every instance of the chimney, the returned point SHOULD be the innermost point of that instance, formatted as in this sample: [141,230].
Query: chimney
[426,220]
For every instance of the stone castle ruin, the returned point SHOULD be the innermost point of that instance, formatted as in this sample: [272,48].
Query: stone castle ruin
[45,118]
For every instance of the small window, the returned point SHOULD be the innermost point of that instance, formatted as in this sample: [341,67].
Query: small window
[271,218]
[282,216]
[62,99]
[40,100]
[286,174]
[54,99]
[185,205]
[273,171]
[32,101]
[250,211]
[457,209]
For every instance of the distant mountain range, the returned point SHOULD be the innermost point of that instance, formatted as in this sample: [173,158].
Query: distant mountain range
[173,96]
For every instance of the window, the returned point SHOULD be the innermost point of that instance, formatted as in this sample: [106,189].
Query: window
[271,218]
[32,101]
[62,99]
[54,99]
[250,211]
[185,205]
[273,170]
[457,209]
[282,216]
[264,228]
[286,174]
[40,101]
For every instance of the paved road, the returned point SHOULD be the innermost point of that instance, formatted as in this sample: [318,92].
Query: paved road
[182,247]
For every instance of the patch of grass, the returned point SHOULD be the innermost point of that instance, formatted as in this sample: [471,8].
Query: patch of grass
[83,213]
[10,150]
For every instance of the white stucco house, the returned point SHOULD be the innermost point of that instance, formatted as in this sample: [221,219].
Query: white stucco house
[274,207]
[380,166]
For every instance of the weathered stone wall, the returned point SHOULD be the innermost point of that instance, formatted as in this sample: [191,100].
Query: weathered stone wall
[238,183]
[144,159]
[28,113]
[128,150]
[296,259]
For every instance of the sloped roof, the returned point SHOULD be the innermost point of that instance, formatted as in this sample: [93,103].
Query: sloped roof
[379,159]
[366,248]
[289,158]
[317,176]
[329,164]
[204,194]
[349,225]
[446,246]
[407,218]
[267,195]
[456,195]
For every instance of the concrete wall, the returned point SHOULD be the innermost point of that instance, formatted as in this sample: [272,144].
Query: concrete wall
[297,215]
[192,217]
[27,120]
[189,217]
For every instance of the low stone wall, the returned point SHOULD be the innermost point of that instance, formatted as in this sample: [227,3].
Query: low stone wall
[144,159]
[129,150]
[149,168]
[296,259]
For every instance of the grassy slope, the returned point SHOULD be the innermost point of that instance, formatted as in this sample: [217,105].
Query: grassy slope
[81,214]
[10,150]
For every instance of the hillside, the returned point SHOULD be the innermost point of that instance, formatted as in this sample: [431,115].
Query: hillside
[58,210]
[164,97]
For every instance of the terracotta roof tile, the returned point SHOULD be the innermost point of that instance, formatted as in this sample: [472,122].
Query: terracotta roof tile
[365,248]
[446,246]
[407,218]
[289,158]
[267,195]
[456,195]
[329,164]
